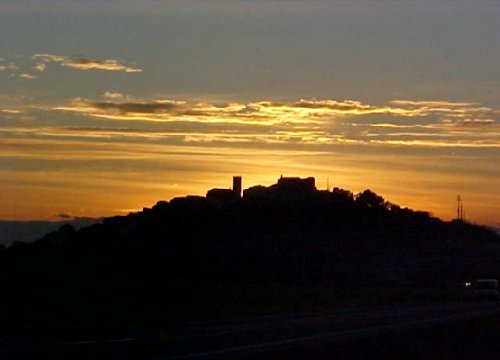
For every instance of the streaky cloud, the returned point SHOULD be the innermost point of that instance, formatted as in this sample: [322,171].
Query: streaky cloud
[27,76]
[304,112]
[172,136]
[114,95]
[265,113]
[10,67]
[470,122]
[40,67]
[106,65]
[432,103]
[49,57]
[11,111]
[445,144]
[87,64]
[303,124]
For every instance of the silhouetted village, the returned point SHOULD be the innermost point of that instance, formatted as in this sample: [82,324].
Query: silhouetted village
[236,252]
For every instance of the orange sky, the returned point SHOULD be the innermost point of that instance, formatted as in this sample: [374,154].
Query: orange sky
[106,109]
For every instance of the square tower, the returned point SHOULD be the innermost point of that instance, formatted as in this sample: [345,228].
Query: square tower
[237,186]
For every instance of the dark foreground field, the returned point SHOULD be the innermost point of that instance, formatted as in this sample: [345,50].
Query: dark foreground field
[431,331]
[471,339]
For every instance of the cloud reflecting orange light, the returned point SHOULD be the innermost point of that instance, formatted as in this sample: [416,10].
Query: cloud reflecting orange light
[83,63]
[157,149]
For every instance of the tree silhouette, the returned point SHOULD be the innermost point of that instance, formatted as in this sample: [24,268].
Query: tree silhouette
[370,199]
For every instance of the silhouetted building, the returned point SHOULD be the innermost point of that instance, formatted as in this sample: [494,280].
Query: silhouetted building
[220,196]
[190,201]
[225,196]
[308,184]
[294,187]
[256,192]
[288,189]
[237,186]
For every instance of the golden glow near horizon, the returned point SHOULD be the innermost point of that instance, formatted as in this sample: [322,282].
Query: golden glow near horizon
[112,168]
[97,121]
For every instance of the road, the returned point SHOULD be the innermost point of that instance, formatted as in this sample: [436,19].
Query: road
[295,335]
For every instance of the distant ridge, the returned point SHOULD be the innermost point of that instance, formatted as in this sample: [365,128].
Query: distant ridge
[29,231]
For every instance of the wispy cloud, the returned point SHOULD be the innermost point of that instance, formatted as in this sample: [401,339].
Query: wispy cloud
[305,112]
[432,103]
[50,57]
[448,108]
[114,95]
[87,64]
[446,144]
[27,76]
[40,67]
[106,65]
[344,107]
[264,113]
[11,111]
[302,124]
[9,67]
[181,111]
[469,122]
[173,136]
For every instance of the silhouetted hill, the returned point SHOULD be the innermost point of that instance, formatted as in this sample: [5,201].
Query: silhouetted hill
[216,255]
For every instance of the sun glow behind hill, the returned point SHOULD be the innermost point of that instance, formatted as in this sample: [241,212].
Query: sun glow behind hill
[121,111]
[99,158]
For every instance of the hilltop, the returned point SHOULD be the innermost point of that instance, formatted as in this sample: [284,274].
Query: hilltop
[268,249]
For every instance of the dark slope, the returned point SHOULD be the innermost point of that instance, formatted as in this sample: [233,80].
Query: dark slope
[223,255]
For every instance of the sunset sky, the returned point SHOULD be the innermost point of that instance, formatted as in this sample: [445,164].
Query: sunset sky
[107,106]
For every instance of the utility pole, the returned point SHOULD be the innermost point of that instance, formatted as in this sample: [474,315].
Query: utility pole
[460,208]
